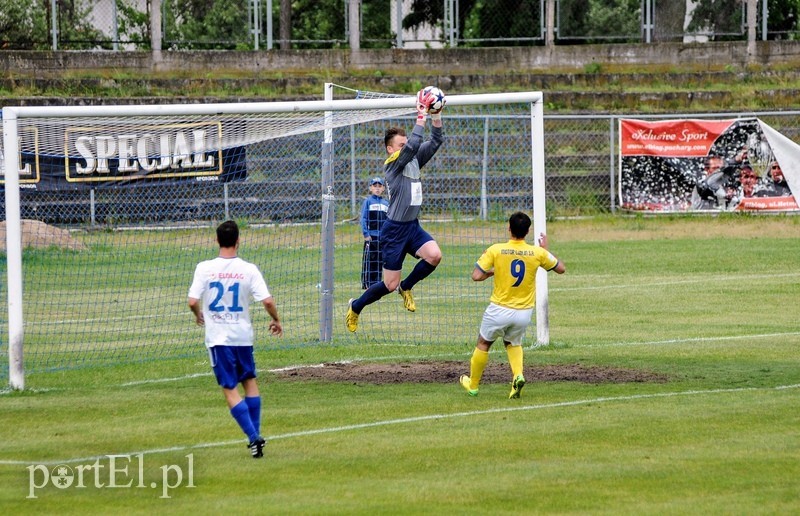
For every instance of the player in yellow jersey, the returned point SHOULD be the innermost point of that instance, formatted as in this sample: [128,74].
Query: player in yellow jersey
[513,265]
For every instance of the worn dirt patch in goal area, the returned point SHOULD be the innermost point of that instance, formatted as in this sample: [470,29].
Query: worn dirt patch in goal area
[449,372]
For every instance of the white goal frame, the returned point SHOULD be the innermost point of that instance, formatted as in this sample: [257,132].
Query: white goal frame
[14,116]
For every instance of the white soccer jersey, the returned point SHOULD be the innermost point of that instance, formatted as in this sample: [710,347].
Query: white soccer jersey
[225,287]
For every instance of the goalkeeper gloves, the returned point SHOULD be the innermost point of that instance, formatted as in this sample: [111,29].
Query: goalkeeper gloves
[423,103]
[422,112]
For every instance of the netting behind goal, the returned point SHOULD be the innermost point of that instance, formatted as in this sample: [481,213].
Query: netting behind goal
[118,205]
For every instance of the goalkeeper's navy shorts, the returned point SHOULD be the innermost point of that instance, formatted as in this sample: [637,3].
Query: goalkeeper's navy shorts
[399,239]
[232,364]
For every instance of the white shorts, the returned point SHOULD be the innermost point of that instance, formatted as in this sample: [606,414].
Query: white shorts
[506,323]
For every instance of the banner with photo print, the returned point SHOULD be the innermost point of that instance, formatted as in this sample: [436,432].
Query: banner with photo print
[706,165]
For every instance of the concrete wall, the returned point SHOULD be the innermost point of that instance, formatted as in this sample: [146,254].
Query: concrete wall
[405,61]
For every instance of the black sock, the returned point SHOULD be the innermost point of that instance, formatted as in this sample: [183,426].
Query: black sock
[372,294]
[421,271]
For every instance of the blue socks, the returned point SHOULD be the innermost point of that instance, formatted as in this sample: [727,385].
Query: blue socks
[254,408]
[241,414]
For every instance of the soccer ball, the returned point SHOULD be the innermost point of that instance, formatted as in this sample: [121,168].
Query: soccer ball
[439,100]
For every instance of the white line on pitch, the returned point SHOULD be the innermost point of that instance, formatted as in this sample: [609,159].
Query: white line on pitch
[165,380]
[694,339]
[415,419]
[705,279]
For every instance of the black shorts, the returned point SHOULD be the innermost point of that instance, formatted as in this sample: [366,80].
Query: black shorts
[399,239]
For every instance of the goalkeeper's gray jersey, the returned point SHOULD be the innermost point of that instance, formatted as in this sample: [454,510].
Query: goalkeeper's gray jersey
[401,172]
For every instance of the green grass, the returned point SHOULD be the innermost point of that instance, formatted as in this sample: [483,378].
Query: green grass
[709,302]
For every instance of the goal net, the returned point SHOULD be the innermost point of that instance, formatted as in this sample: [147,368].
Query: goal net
[108,209]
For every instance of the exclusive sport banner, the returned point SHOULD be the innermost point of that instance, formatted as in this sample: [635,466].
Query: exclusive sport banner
[706,165]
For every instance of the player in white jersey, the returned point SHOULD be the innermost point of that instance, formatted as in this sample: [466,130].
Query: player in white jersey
[513,265]
[220,297]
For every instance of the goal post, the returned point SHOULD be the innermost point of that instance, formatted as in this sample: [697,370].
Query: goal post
[61,131]
[16,375]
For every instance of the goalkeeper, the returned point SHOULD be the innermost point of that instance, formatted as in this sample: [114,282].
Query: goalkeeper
[402,233]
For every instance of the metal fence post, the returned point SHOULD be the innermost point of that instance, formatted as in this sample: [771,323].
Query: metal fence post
[227,201]
[92,208]
[156,28]
[269,25]
[484,169]
[114,26]
[399,23]
[353,202]
[611,163]
[54,21]
[256,21]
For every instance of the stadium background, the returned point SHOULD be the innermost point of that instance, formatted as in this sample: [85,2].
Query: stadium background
[672,296]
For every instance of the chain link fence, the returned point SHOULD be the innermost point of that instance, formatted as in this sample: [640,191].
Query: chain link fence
[132,246]
[261,24]
[483,172]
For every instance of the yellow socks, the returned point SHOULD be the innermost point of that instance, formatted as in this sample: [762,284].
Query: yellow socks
[476,366]
[515,359]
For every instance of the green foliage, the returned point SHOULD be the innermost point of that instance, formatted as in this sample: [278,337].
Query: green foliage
[223,24]
[599,20]
[375,24]
[502,19]
[720,17]
[317,22]
[134,25]
[430,13]
[322,23]
[594,67]
[783,18]
[75,29]
[197,24]
[23,25]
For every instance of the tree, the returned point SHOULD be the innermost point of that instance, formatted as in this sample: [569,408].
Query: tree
[783,16]
[506,20]
[23,25]
[596,21]
[285,24]
[720,19]
[376,31]
[193,24]
[134,25]
[490,20]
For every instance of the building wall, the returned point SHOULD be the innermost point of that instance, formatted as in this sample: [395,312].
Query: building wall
[408,61]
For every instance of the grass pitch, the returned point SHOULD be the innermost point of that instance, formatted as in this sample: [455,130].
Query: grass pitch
[710,303]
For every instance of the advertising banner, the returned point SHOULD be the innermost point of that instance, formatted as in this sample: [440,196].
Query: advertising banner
[706,165]
[95,158]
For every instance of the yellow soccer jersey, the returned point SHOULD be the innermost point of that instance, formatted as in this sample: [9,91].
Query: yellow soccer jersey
[515,263]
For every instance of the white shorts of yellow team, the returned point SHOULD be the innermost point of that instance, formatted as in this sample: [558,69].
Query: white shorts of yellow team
[506,323]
